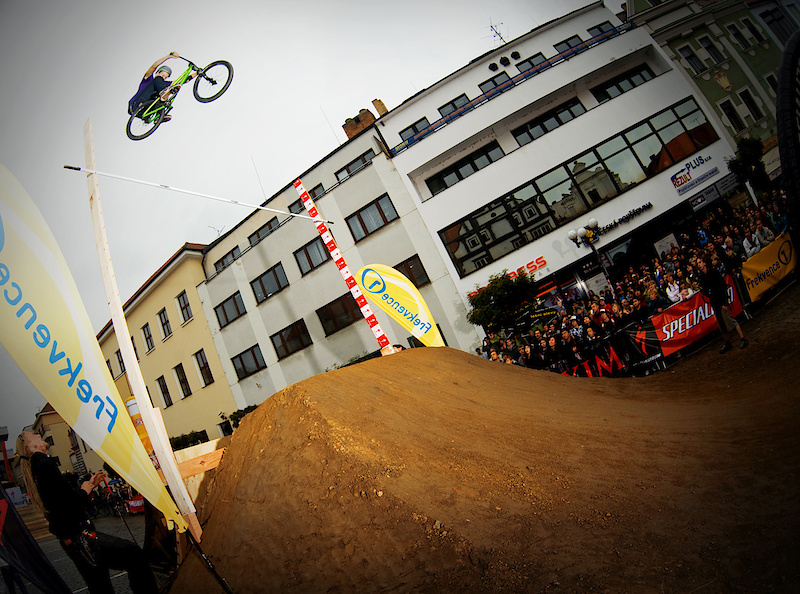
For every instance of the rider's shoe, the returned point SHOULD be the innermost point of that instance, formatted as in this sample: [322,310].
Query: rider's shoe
[167,118]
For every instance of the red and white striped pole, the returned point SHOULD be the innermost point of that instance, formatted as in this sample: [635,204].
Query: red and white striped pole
[344,269]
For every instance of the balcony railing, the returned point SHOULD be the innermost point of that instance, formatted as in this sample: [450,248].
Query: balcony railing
[518,79]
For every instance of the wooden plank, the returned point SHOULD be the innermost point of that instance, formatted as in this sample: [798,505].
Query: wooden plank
[200,464]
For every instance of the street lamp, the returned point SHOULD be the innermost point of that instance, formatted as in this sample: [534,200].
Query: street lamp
[586,236]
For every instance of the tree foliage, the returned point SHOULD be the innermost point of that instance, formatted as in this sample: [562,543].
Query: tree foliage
[501,303]
[236,417]
[748,166]
[188,440]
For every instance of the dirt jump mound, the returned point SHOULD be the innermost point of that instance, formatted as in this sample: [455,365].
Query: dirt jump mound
[433,470]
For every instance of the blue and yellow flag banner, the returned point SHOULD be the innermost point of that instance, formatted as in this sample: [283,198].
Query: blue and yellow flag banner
[769,266]
[45,328]
[396,295]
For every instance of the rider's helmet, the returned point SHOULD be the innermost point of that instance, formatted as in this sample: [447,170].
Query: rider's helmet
[166,69]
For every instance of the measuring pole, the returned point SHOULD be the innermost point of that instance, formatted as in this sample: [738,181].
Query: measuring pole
[151,417]
[344,269]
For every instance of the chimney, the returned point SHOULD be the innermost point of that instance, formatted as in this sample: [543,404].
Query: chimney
[379,107]
[363,120]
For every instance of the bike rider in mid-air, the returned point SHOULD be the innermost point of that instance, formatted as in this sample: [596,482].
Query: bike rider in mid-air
[155,84]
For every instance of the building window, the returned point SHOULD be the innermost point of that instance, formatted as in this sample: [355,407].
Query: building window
[534,60]
[184,307]
[414,271]
[110,369]
[712,50]
[148,338]
[248,362]
[578,185]
[694,62]
[120,362]
[600,29]
[227,259]
[757,36]
[312,255]
[163,319]
[316,192]
[269,283]
[371,218]
[355,165]
[291,339]
[135,350]
[203,368]
[49,440]
[180,375]
[494,82]
[734,119]
[772,81]
[297,207]
[448,108]
[225,428]
[738,36]
[622,83]
[162,385]
[548,121]
[414,128]
[230,309]
[779,24]
[568,44]
[751,105]
[263,231]
[339,313]
[465,167]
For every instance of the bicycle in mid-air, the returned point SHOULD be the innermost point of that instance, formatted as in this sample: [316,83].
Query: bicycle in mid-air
[209,84]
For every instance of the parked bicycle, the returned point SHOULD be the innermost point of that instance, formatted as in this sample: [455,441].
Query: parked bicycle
[209,84]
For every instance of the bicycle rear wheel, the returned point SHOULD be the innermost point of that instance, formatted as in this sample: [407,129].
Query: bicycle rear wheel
[139,128]
[212,81]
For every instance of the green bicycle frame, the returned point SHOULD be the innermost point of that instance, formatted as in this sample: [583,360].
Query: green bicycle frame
[157,105]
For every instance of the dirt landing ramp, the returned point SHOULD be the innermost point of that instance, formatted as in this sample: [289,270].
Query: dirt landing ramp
[432,470]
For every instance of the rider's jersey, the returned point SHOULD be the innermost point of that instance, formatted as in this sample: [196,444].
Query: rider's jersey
[148,89]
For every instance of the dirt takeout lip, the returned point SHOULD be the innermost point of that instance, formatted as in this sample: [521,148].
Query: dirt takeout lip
[434,470]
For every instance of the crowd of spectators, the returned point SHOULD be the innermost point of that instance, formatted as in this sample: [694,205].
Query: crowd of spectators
[110,499]
[581,327]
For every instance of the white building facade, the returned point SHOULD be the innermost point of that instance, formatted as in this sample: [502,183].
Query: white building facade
[583,117]
[278,307]
[486,170]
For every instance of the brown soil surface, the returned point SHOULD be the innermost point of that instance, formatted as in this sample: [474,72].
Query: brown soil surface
[433,470]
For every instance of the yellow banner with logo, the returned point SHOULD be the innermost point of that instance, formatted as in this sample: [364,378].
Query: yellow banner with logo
[769,266]
[396,295]
[45,328]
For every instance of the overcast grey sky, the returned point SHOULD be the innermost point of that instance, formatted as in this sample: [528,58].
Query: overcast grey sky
[301,68]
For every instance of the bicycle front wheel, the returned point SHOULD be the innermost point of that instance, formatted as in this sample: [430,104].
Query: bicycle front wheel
[139,128]
[212,81]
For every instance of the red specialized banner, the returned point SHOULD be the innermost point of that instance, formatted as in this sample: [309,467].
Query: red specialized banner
[683,323]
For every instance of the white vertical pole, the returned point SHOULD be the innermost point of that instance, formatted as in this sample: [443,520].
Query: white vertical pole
[158,437]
